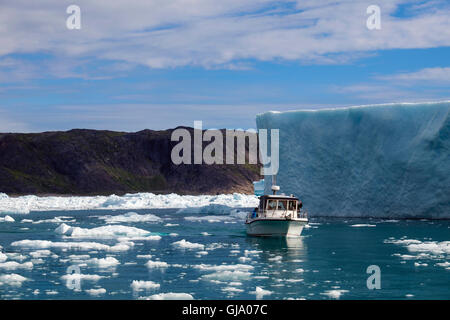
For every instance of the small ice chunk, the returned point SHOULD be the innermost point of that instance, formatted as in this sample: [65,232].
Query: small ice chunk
[3,257]
[170,296]
[183,244]
[156,264]
[96,292]
[107,262]
[260,292]
[335,294]
[138,285]
[7,219]
[13,265]
[13,279]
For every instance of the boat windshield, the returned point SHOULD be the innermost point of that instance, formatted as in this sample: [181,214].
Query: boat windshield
[271,204]
[282,204]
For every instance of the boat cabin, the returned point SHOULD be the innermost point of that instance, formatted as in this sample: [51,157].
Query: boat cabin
[278,206]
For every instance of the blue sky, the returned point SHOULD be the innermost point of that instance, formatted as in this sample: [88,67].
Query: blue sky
[159,64]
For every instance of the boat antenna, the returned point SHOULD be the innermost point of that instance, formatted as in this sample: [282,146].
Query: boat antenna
[275,188]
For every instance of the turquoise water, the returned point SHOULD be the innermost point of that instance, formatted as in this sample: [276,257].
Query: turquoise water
[328,261]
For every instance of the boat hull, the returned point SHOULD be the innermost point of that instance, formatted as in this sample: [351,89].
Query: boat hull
[275,227]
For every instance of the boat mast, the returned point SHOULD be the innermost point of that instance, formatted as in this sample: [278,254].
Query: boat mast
[275,188]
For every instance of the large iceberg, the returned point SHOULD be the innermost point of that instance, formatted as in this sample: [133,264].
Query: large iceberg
[389,160]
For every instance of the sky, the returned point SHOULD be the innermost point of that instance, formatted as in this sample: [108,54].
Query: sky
[159,64]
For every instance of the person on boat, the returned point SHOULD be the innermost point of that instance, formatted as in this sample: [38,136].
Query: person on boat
[299,207]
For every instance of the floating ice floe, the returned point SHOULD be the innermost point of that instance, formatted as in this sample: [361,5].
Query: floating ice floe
[83,246]
[244,259]
[334,294]
[138,285]
[169,296]
[424,250]
[433,247]
[171,225]
[156,264]
[13,265]
[13,279]
[225,272]
[16,256]
[252,252]
[276,259]
[183,244]
[260,292]
[79,276]
[130,217]
[7,219]
[232,290]
[227,275]
[40,254]
[224,202]
[418,264]
[103,263]
[107,232]
[51,292]
[144,256]
[96,292]
[3,257]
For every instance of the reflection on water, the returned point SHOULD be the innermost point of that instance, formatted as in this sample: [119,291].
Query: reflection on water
[288,248]
[277,243]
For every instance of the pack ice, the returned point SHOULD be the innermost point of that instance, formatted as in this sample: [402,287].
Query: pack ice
[389,160]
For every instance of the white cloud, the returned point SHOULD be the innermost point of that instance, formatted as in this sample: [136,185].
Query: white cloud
[401,87]
[435,75]
[211,33]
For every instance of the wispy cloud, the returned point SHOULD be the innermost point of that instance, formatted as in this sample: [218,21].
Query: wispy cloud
[401,87]
[435,75]
[211,33]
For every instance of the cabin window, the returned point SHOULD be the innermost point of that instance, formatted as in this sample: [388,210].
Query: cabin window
[271,204]
[291,206]
[282,205]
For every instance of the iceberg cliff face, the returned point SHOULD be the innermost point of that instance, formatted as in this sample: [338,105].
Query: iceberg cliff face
[371,161]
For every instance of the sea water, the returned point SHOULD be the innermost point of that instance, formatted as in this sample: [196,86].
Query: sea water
[193,253]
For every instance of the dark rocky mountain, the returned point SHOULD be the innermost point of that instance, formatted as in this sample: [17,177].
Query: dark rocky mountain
[88,162]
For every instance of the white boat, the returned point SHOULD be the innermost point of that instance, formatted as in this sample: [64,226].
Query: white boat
[277,215]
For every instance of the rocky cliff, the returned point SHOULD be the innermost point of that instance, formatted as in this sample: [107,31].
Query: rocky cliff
[88,162]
